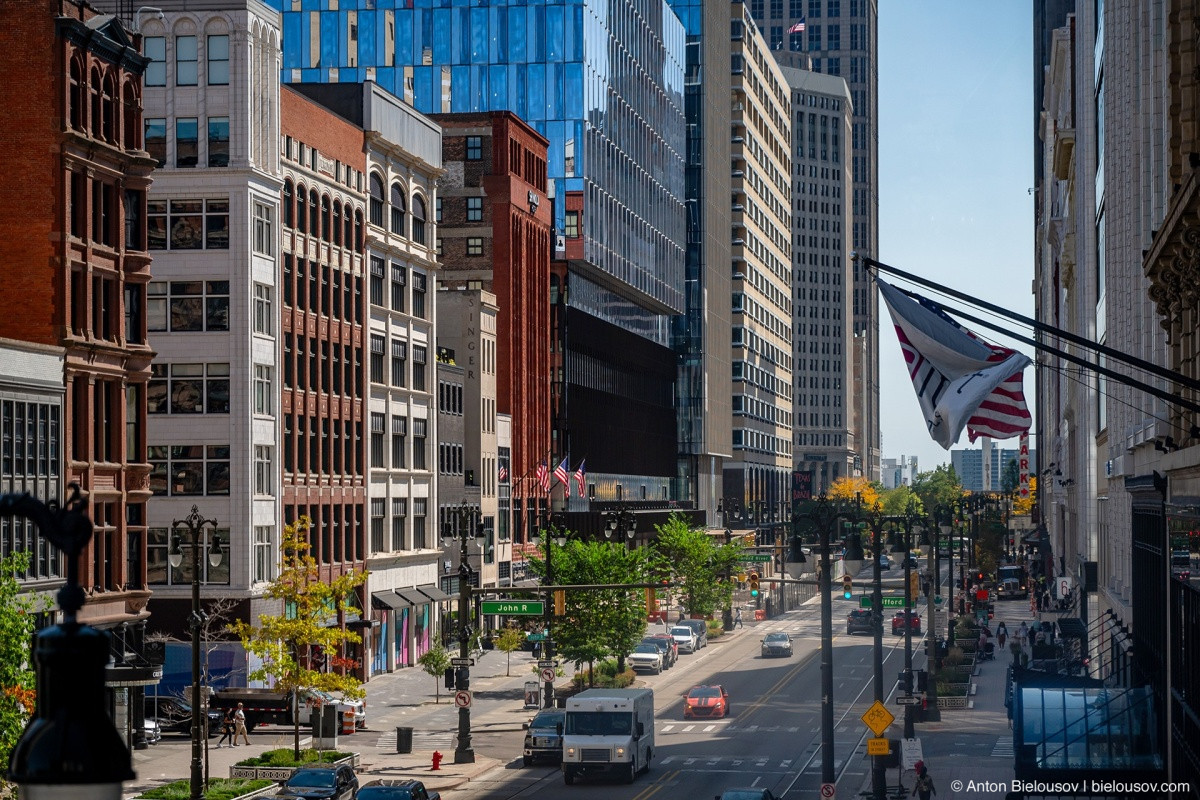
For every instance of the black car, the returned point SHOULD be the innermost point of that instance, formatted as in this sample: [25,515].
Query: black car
[392,789]
[543,736]
[321,783]
[859,621]
[777,644]
[175,715]
[665,646]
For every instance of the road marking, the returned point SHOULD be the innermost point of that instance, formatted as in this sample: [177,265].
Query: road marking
[687,728]
[708,728]
[668,727]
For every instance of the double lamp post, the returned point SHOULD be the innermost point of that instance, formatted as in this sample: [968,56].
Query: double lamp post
[468,519]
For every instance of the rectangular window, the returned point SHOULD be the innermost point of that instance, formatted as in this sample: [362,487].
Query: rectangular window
[474,246]
[264,229]
[378,510]
[377,359]
[264,313]
[187,142]
[218,141]
[218,60]
[155,49]
[135,220]
[377,278]
[185,470]
[420,444]
[135,298]
[399,359]
[264,553]
[156,139]
[399,436]
[420,511]
[185,61]
[264,482]
[181,306]
[263,389]
[571,224]
[398,281]
[474,209]
[474,148]
[399,518]
[377,438]
[419,357]
[188,389]
[418,295]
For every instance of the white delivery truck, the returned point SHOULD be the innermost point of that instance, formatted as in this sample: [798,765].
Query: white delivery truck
[609,731]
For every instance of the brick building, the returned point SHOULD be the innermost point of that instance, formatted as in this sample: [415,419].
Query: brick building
[75,268]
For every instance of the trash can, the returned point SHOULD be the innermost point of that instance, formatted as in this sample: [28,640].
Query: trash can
[404,740]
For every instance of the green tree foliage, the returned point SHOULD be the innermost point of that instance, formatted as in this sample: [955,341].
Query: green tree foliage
[599,622]
[435,661]
[896,501]
[939,488]
[308,604]
[507,641]
[696,564]
[16,670]
[1012,476]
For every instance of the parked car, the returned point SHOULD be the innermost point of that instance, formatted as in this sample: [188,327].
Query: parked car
[898,622]
[700,627]
[706,701]
[175,715]
[646,657]
[777,644]
[321,783]
[543,736]
[859,621]
[666,645]
[396,789]
[747,794]
[685,638]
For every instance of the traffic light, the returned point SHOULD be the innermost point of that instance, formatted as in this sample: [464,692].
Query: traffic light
[754,584]
[847,588]
[560,602]
[979,577]
[448,677]
[904,679]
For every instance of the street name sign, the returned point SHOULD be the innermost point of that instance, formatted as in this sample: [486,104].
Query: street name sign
[878,718]
[764,558]
[513,607]
[864,601]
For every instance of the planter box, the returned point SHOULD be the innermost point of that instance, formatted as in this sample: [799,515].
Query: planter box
[281,774]
[951,703]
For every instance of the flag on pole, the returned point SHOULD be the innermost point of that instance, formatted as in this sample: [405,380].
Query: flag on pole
[798,27]
[503,473]
[543,477]
[579,478]
[561,475]
[961,380]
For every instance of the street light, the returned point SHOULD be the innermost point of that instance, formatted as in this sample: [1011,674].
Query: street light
[617,521]
[70,747]
[468,517]
[559,537]
[194,523]
[728,507]
[873,516]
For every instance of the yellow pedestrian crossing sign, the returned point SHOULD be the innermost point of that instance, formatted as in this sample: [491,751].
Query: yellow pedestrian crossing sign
[877,718]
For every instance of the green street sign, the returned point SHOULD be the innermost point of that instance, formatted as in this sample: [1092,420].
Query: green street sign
[757,557]
[515,607]
[888,602]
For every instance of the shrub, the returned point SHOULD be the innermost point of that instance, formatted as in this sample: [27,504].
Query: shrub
[283,757]
[218,789]
[715,628]
[954,657]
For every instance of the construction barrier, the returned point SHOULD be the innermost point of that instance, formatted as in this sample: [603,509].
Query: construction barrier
[348,721]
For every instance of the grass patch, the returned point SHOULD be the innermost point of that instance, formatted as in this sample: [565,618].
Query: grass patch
[218,789]
[283,757]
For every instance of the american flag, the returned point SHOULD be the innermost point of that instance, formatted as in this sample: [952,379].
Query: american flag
[561,475]
[543,477]
[798,27]
[579,478]
[503,473]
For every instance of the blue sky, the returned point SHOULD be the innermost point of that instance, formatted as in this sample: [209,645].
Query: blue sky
[956,163]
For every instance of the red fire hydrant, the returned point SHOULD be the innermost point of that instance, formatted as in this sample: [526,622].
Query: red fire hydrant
[437,761]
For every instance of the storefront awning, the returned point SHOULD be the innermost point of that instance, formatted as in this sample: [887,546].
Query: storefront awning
[413,596]
[434,593]
[388,599]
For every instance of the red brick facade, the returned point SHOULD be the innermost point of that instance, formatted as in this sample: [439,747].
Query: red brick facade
[75,262]
[512,261]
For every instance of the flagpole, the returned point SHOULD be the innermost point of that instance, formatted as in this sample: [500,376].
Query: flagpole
[1134,361]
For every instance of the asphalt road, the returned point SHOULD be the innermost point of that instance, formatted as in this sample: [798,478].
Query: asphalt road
[771,739]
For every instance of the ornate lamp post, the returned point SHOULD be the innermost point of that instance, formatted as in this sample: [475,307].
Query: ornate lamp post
[194,525]
[557,536]
[70,749]
[728,507]
[468,518]
[617,521]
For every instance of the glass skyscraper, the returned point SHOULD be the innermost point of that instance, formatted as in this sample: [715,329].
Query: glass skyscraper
[602,80]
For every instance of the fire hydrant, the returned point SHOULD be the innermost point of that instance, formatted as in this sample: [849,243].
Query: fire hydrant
[437,761]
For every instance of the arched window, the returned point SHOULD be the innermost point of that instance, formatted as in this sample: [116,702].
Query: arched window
[348,233]
[325,217]
[337,222]
[94,120]
[132,114]
[314,221]
[358,231]
[399,207]
[418,219]
[301,215]
[376,199]
[108,104]
[78,98]
[288,204]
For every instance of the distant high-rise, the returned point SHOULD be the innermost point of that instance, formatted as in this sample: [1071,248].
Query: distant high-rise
[846,44]
[982,469]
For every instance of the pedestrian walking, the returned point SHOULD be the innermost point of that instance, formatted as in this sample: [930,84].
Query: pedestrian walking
[924,785]
[737,619]
[239,725]
[1023,634]
[226,729]
[1002,633]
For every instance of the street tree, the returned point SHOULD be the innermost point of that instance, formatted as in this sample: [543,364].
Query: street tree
[851,489]
[693,561]
[1023,506]
[938,488]
[507,641]
[16,667]
[309,604]
[435,661]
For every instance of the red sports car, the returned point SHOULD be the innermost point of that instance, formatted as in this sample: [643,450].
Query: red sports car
[706,701]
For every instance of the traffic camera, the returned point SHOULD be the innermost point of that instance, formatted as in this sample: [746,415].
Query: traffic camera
[754,584]
[847,588]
